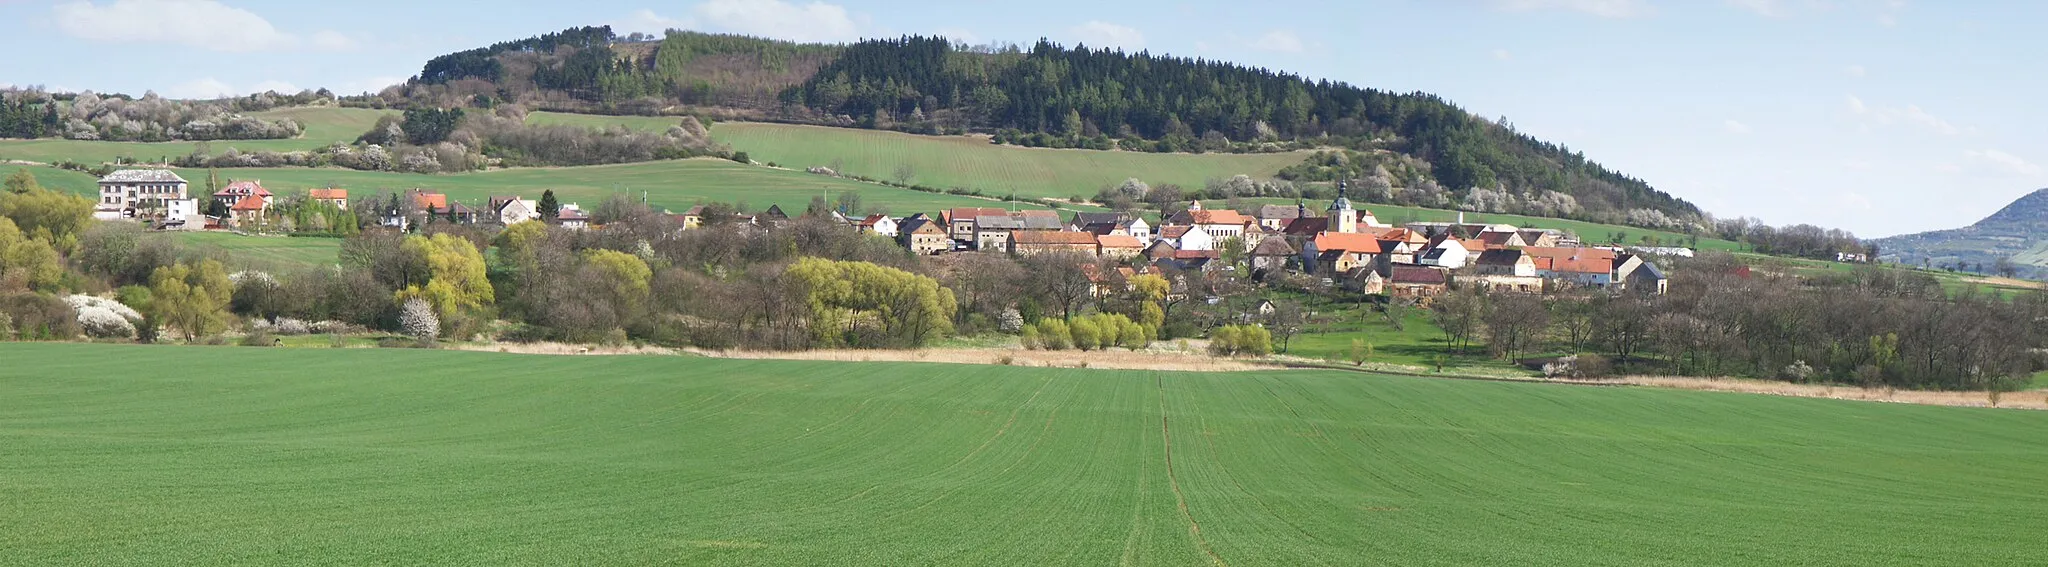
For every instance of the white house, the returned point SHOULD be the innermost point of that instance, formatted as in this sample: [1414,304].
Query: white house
[183,214]
[1188,238]
[509,210]
[1449,254]
[129,189]
[877,224]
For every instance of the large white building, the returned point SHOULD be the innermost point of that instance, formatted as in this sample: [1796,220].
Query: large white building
[131,189]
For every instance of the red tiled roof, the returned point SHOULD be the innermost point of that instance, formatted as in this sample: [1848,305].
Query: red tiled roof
[1418,275]
[1350,242]
[1174,231]
[328,193]
[1217,217]
[244,188]
[249,203]
[1497,239]
[1117,241]
[1196,254]
[872,220]
[1051,237]
[429,201]
[1573,260]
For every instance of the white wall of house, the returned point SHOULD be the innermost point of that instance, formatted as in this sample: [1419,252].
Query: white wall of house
[1197,239]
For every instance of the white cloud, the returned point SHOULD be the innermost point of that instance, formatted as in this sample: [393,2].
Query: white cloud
[1503,55]
[2004,161]
[815,22]
[1099,34]
[205,24]
[1766,8]
[647,22]
[370,85]
[1734,127]
[1601,8]
[1855,71]
[1911,114]
[1888,16]
[1278,41]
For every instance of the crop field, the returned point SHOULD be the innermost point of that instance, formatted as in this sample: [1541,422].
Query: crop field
[265,252]
[139,455]
[972,162]
[323,126]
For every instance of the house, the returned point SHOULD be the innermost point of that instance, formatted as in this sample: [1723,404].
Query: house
[249,210]
[1506,270]
[1648,280]
[962,222]
[510,210]
[1364,280]
[1271,255]
[1275,218]
[572,217]
[1578,266]
[1445,252]
[438,206]
[1193,260]
[1033,242]
[1332,253]
[1413,281]
[1541,237]
[1187,237]
[877,224]
[1305,227]
[1117,223]
[691,219]
[236,192]
[1849,258]
[336,197]
[923,236]
[1496,240]
[1161,250]
[1337,262]
[124,191]
[182,214]
[773,215]
[1223,224]
[1118,246]
[992,232]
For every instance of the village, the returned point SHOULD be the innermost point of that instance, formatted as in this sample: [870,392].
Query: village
[1340,245]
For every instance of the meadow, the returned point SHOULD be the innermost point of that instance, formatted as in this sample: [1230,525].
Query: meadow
[323,126]
[268,253]
[367,456]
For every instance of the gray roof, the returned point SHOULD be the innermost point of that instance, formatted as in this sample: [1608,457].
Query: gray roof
[1085,219]
[142,176]
[1281,212]
[1000,223]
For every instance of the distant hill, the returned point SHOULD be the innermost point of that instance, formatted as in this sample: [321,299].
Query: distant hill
[2019,232]
[1048,95]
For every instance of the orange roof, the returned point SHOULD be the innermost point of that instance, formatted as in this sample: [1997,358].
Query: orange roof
[1051,237]
[329,193]
[1217,217]
[1573,260]
[1497,239]
[430,201]
[249,203]
[872,220]
[1352,242]
[1118,241]
[1403,234]
[246,188]
[1174,231]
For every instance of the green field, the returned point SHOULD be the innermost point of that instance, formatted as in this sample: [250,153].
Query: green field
[641,123]
[270,253]
[972,162]
[366,456]
[323,126]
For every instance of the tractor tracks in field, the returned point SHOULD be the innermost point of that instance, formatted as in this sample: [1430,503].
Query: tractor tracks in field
[1173,479]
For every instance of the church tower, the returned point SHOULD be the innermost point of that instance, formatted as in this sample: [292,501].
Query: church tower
[1343,218]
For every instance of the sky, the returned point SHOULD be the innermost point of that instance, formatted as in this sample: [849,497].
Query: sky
[1881,117]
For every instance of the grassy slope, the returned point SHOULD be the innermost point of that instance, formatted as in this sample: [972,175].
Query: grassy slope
[265,252]
[970,162]
[364,456]
[323,126]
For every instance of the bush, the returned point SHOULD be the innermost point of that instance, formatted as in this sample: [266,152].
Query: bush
[1054,334]
[1240,340]
[38,317]
[416,318]
[259,338]
[1086,335]
[293,327]
[1028,337]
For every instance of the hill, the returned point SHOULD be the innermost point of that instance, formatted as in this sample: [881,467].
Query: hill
[1047,96]
[324,126]
[352,456]
[2018,232]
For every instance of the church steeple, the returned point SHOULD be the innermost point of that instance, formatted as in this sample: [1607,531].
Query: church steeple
[1343,218]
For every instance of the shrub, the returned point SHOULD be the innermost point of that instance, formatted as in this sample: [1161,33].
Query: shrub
[1010,321]
[293,327]
[38,317]
[416,318]
[1054,334]
[259,338]
[102,323]
[1029,338]
[1244,340]
[1086,335]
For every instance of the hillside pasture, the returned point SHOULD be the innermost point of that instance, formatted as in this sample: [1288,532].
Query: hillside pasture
[267,253]
[398,456]
[324,126]
[972,162]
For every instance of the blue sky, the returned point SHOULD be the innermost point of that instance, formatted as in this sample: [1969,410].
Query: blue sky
[1877,116]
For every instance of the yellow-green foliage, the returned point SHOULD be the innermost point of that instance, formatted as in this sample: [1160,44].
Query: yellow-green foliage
[848,300]
[627,277]
[27,262]
[192,299]
[1092,332]
[1240,340]
[1086,335]
[50,216]
[457,279]
[1054,335]
[516,243]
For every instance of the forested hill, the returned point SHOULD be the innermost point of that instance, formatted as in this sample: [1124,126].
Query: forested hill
[1048,95]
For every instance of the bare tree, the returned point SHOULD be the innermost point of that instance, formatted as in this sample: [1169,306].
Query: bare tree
[1059,280]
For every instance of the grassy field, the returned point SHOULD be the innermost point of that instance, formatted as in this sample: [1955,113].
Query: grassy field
[641,123]
[269,253]
[323,126]
[972,162]
[673,184]
[363,456]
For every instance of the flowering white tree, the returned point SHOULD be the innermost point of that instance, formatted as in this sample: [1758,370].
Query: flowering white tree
[418,320]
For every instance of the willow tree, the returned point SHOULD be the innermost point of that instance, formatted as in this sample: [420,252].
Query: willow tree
[861,304]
